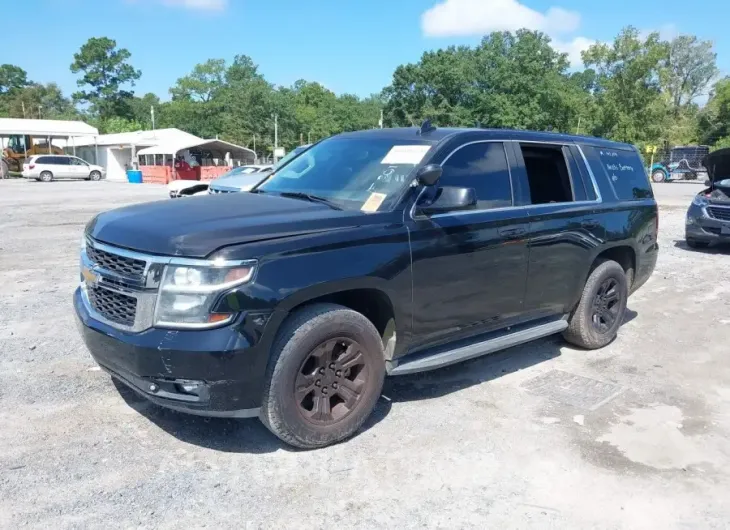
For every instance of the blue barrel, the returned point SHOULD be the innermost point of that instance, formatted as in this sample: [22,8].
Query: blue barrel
[134,176]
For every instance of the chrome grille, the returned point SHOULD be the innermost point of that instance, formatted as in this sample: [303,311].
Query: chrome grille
[113,306]
[718,212]
[115,263]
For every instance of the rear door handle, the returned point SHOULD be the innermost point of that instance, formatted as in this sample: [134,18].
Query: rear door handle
[512,232]
[589,223]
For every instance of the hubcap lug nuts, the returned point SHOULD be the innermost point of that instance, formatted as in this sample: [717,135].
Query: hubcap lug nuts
[338,373]
[334,385]
[318,383]
[321,370]
[332,366]
[324,390]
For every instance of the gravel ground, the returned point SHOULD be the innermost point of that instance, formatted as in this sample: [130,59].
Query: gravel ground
[632,436]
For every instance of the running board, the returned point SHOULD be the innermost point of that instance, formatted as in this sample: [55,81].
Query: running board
[500,341]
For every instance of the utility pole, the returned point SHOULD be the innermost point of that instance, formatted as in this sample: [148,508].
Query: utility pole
[39,112]
[309,137]
[256,157]
[577,130]
[276,136]
[22,104]
[381,119]
[301,138]
[152,115]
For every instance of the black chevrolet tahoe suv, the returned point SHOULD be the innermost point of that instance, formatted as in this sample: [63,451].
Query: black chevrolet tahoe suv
[373,253]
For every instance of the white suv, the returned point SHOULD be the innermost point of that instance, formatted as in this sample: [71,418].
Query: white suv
[49,167]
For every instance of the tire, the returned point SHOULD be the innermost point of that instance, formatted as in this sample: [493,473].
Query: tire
[46,176]
[584,329]
[693,243]
[308,354]
[94,175]
[658,176]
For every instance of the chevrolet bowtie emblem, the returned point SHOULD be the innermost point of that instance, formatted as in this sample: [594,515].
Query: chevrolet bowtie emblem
[90,276]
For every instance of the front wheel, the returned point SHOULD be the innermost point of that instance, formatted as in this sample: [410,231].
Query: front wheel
[325,376]
[600,312]
[658,176]
[46,176]
[95,175]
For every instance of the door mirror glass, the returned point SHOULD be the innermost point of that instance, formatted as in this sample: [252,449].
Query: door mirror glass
[451,199]
[429,175]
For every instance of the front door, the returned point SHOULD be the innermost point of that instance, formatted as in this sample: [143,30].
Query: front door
[470,267]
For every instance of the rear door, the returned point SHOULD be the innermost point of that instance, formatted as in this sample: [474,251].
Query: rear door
[469,267]
[564,228]
[62,167]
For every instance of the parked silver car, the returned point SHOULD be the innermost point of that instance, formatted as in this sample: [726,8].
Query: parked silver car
[49,167]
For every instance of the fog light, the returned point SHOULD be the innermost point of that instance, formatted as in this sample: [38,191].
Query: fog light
[189,387]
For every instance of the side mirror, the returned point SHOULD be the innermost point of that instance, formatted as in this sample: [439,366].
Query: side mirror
[451,199]
[708,183]
[429,175]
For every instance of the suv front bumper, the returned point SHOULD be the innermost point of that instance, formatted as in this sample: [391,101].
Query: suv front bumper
[703,227]
[218,372]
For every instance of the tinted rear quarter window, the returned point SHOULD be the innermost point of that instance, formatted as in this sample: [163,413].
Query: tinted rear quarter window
[625,171]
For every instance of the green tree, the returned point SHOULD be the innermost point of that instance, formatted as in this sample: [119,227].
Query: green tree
[629,102]
[45,101]
[714,119]
[105,70]
[203,83]
[141,109]
[119,125]
[690,66]
[12,78]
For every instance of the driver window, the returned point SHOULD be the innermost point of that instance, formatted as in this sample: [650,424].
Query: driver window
[482,166]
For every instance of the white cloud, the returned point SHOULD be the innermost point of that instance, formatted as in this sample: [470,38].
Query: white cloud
[573,49]
[197,5]
[477,17]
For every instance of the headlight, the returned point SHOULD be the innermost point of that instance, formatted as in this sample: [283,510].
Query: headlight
[700,200]
[188,292]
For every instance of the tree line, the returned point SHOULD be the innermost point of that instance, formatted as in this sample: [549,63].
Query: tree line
[638,89]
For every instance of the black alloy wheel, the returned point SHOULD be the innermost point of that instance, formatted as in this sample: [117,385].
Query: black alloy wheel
[606,306]
[331,381]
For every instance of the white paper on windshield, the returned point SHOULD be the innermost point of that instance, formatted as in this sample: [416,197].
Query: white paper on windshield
[406,154]
[373,202]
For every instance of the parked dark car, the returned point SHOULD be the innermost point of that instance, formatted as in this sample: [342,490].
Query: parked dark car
[708,217]
[377,252]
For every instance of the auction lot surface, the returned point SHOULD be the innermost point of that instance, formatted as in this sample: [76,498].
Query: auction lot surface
[636,435]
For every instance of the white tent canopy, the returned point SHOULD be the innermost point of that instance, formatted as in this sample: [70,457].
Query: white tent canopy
[46,128]
[173,148]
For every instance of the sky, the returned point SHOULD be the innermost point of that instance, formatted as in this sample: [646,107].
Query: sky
[349,46]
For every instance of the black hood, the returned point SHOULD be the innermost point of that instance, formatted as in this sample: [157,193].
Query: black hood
[197,226]
[718,164]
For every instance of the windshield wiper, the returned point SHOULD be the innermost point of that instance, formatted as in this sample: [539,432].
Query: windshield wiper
[309,197]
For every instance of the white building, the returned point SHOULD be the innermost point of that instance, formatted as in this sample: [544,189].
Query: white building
[116,152]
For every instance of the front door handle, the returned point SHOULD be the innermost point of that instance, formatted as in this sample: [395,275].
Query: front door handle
[589,223]
[512,232]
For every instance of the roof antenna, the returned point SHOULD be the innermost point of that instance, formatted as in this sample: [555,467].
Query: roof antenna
[426,127]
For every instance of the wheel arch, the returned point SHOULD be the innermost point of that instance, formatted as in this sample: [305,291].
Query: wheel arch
[624,255]
[368,297]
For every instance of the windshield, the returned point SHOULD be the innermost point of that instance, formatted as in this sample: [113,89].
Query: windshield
[240,170]
[291,154]
[358,173]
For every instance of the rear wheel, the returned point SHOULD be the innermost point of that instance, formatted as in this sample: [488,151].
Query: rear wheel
[600,312]
[658,176]
[325,376]
[693,243]
[46,176]
[95,175]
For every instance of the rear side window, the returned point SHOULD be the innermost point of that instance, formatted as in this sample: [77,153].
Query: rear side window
[61,161]
[482,166]
[625,172]
[43,160]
